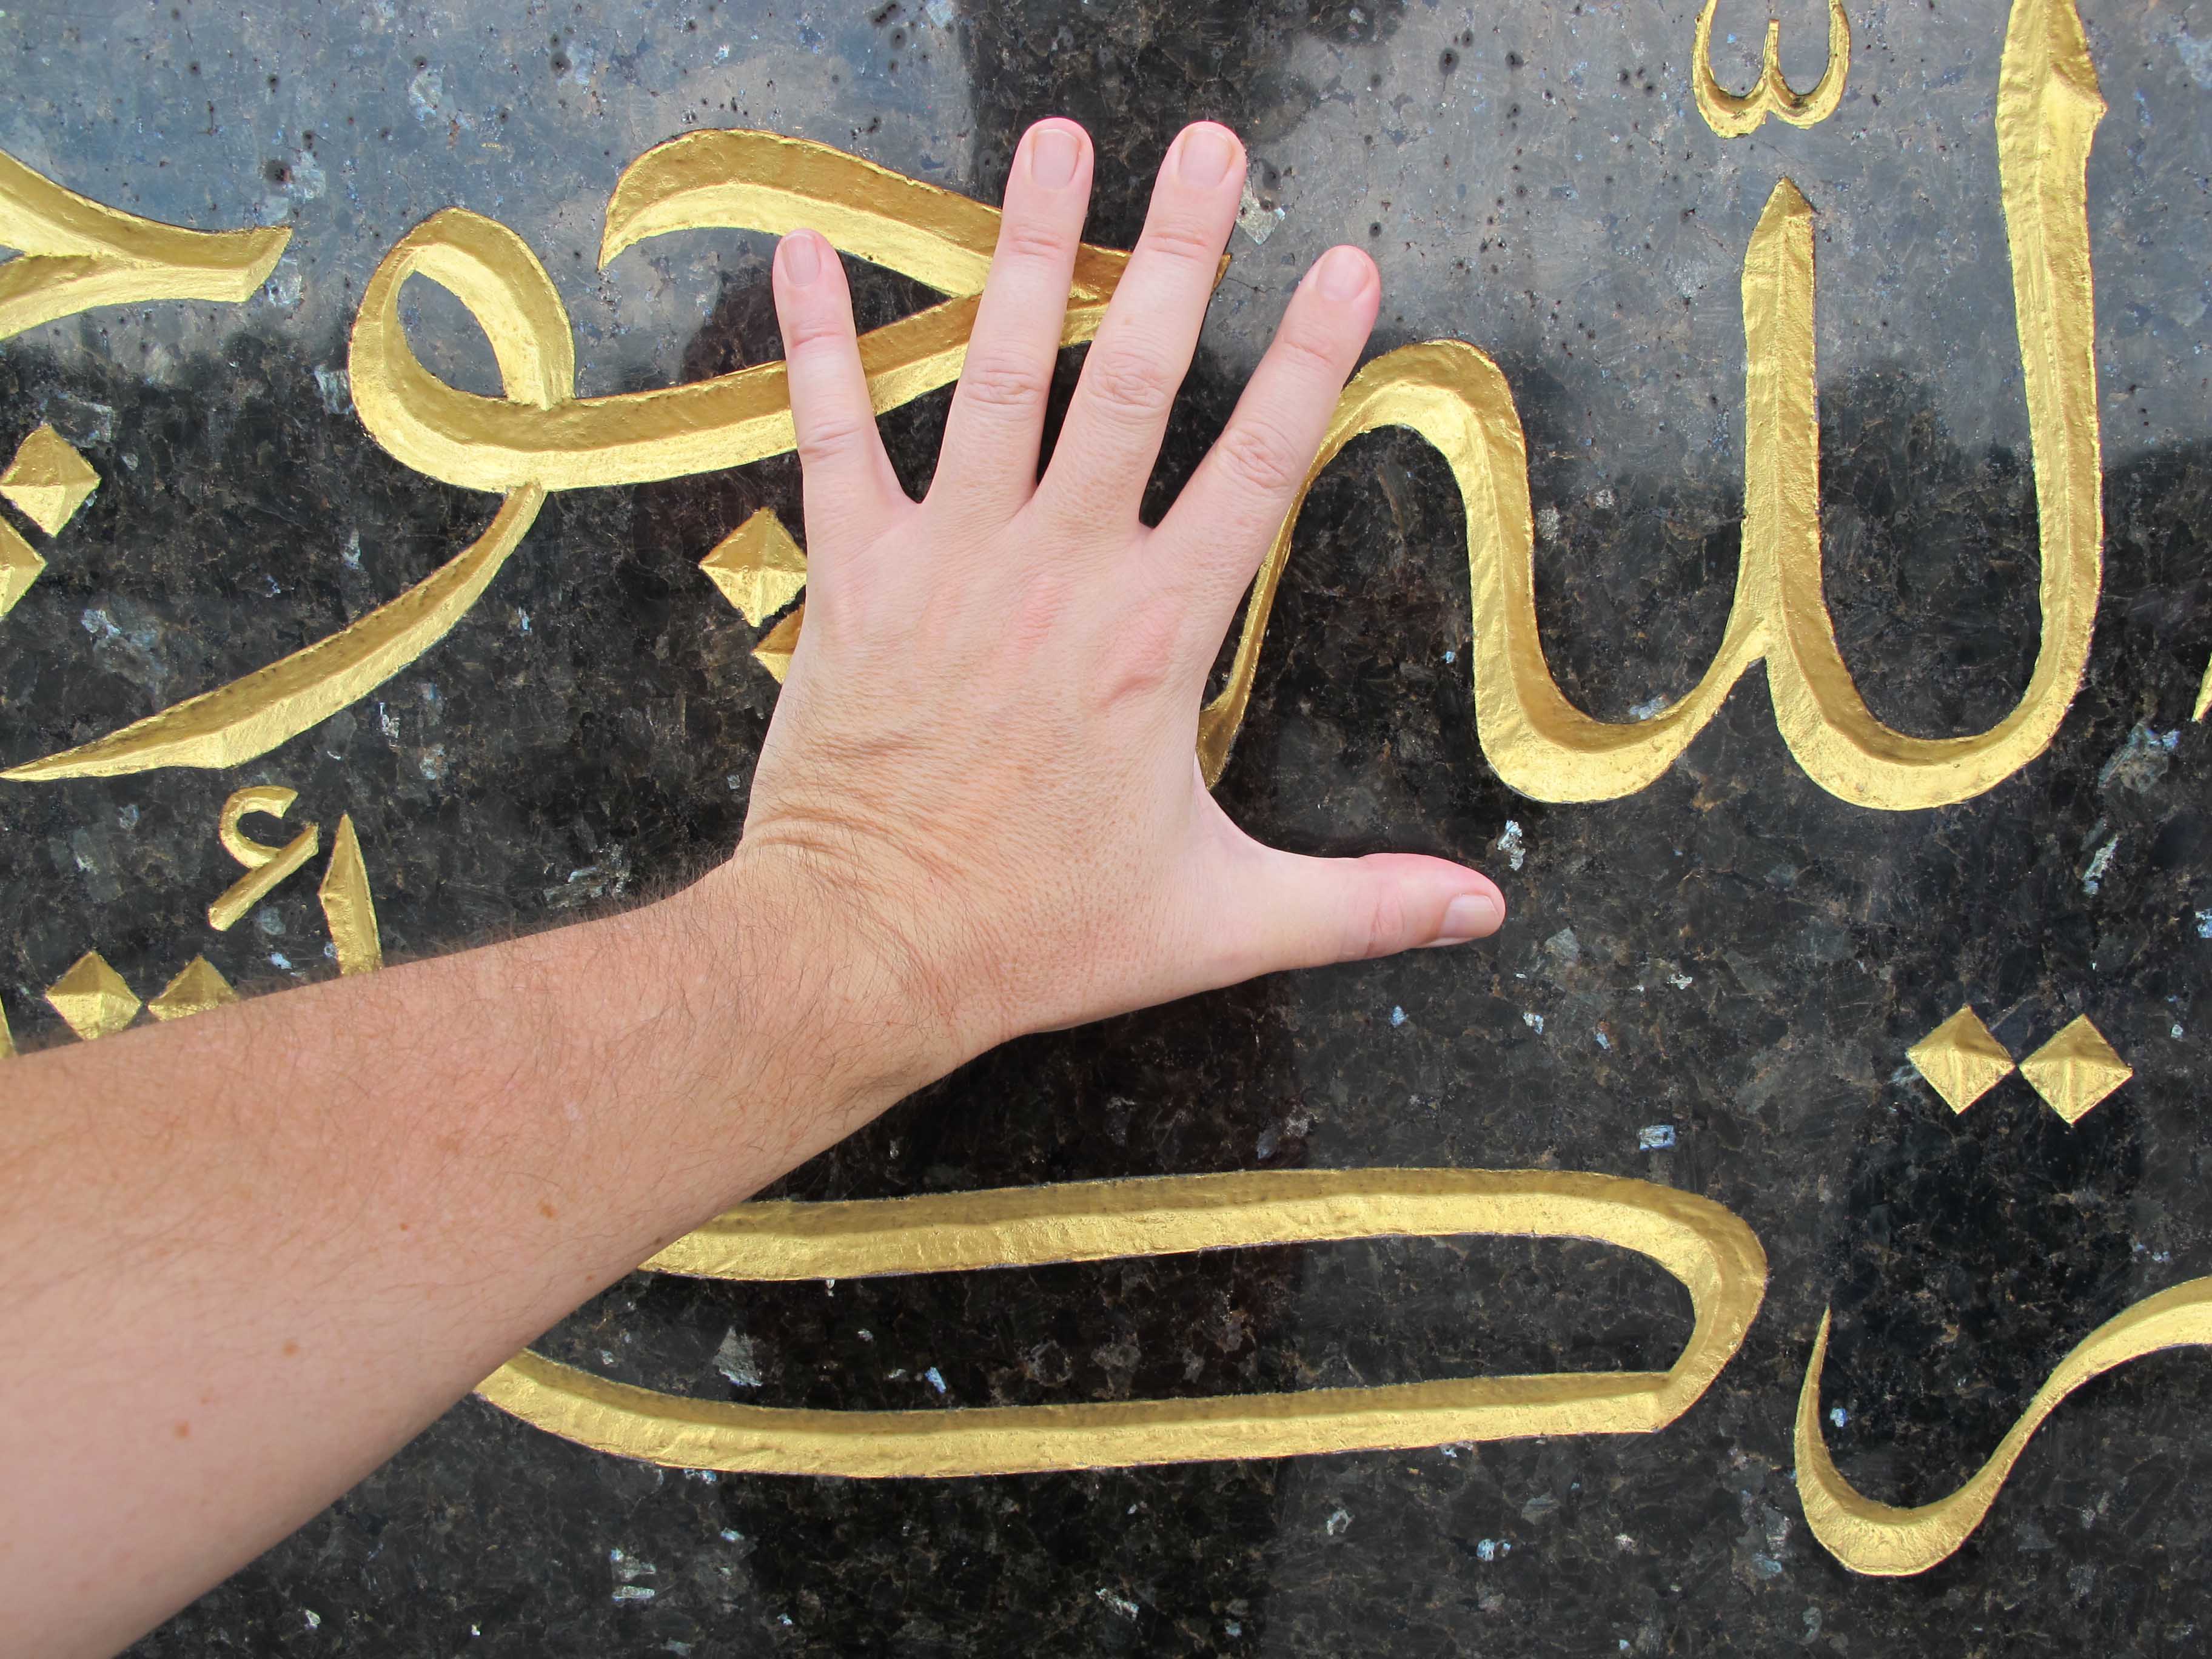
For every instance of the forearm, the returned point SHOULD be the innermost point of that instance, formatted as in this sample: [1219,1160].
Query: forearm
[262,1247]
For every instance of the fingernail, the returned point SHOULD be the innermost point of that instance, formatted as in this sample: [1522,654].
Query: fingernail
[1343,273]
[1206,154]
[1471,915]
[801,257]
[1053,152]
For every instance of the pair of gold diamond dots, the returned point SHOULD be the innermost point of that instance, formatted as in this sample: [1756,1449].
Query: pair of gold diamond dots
[47,481]
[2073,1072]
[761,569]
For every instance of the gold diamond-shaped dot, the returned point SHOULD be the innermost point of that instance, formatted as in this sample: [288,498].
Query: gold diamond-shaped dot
[20,565]
[1960,1060]
[2075,1070]
[48,480]
[92,998]
[199,987]
[773,652]
[757,566]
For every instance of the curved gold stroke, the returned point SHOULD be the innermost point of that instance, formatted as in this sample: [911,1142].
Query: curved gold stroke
[1734,116]
[1716,1257]
[538,436]
[74,254]
[1881,1541]
[2047,112]
[735,180]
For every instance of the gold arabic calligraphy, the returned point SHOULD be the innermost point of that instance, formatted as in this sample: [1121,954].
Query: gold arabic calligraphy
[537,437]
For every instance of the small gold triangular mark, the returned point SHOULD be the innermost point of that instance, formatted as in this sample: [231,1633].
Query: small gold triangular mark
[2075,1070]
[1960,1060]
[20,565]
[92,998]
[199,988]
[758,566]
[773,652]
[48,480]
[349,907]
[7,1037]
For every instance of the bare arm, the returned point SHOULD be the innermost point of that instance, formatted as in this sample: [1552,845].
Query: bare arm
[244,1258]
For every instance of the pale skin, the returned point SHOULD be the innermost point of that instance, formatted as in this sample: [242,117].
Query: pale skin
[244,1258]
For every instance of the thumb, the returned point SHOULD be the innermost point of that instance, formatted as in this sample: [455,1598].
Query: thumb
[1308,912]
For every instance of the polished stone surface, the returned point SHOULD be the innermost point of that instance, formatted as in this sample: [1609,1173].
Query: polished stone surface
[1710,985]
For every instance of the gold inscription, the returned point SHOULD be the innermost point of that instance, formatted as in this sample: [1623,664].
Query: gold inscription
[757,567]
[48,480]
[1732,116]
[1454,395]
[1876,1539]
[1962,1061]
[347,909]
[539,436]
[266,865]
[1708,1249]
[199,988]
[2075,1070]
[92,998]
[74,255]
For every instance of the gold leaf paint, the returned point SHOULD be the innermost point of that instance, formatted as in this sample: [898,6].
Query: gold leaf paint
[757,567]
[19,566]
[1709,1249]
[199,989]
[249,717]
[74,255]
[538,436]
[2075,1070]
[1455,397]
[775,647]
[1732,116]
[1960,1060]
[1879,1540]
[265,866]
[48,480]
[348,908]
[92,998]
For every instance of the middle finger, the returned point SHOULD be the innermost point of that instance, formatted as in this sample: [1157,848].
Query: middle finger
[1119,412]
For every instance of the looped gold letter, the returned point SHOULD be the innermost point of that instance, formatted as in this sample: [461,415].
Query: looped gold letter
[539,436]
[1708,1249]
[2048,108]
[1733,117]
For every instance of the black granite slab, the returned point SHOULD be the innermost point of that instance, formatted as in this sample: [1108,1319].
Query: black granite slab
[1710,985]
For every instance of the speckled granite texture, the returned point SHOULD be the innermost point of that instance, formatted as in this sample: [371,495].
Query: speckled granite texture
[1710,985]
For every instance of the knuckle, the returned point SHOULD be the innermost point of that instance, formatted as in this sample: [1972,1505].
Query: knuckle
[1308,353]
[1131,385]
[1260,458]
[832,437]
[1181,238]
[1003,383]
[1378,923]
[1031,240]
[813,330]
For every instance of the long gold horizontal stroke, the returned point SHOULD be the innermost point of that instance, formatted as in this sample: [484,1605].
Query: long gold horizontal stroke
[1709,1249]
[1881,1541]
[74,254]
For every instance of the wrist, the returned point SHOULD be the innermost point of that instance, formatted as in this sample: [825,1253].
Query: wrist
[812,989]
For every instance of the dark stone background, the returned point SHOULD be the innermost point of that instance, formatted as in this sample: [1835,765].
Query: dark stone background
[1757,954]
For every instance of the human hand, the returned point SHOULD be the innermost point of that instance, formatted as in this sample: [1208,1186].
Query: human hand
[982,764]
